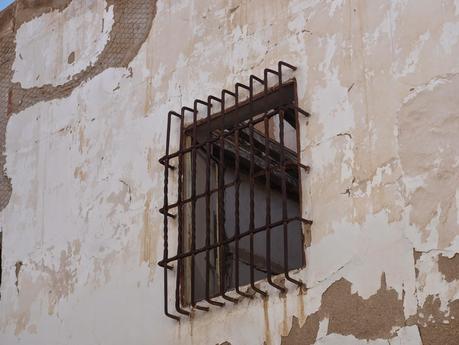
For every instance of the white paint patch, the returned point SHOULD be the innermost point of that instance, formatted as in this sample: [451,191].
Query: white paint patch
[431,281]
[366,252]
[422,241]
[412,183]
[323,328]
[44,44]
[411,61]
[429,86]
[449,36]
[372,38]
[330,103]
[407,336]
[457,206]
[334,5]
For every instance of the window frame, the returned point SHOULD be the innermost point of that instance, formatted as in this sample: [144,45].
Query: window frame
[280,100]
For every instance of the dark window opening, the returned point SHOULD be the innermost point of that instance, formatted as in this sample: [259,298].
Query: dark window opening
[238,210]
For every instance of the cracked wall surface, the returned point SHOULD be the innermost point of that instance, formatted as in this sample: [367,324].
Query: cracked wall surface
[81,185]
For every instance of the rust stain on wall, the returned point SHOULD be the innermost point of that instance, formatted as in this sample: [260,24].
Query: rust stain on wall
[61,280]
[268,340]
[148,236]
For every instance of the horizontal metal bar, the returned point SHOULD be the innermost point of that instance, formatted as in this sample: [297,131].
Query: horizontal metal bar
[227,133]
[275,169]
[231,239]
[261,103]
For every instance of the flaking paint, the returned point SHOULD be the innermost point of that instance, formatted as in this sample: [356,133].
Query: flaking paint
[380,81]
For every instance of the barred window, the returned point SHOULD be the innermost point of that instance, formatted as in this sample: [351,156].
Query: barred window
[238,210]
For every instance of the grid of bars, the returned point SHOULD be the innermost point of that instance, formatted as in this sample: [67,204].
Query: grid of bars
[230,122]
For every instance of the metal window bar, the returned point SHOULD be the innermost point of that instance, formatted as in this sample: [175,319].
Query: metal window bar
[223,131]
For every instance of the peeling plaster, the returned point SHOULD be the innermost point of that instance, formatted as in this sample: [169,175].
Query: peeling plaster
[35,67]
[380,80]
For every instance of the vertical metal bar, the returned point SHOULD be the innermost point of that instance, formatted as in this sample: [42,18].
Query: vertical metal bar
[251,192]
[193,207]
[236,197]
[279,69]
[268,206]
[193,204]
[221,203]
[165,206]
[252,210]
[284,198]
[208,227]
[297,110]
[266,72]
[180,219]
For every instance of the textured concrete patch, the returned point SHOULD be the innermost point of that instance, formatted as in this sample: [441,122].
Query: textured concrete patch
[437,327]
[6,61]
[26,10]
[449,267]
[349,314]
[305,334]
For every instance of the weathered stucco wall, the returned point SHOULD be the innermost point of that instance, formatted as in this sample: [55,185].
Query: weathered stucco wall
[85,87]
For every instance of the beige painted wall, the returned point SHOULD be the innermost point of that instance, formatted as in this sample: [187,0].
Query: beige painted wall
[81,231]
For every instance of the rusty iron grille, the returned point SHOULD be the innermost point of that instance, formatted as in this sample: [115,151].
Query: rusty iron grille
[237,174]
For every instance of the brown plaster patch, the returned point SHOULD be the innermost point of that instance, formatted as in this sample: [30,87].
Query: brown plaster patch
[437,327]
[26,10]
[7,54]
[7,20]
[372,318]
[350,314]
[306,334]
[379,316]
[449,267]
[71,58]
[17,270]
